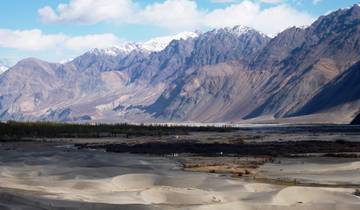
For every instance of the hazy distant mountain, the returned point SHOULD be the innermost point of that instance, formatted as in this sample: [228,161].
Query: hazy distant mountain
[224,75]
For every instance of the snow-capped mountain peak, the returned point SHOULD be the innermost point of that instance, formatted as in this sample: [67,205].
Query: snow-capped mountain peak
[238,30]
[110,51]
[153,45]
[129,47]
[160,43]
[4,66]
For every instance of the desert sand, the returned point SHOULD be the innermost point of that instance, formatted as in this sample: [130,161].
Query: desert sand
[314,170]
[60,177]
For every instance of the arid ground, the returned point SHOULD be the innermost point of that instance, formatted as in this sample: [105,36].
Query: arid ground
[73,173]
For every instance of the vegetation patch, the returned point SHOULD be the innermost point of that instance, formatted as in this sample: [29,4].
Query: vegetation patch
[20,130]
[273,149]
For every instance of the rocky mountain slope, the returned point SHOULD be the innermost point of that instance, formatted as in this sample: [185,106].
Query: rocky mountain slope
[331,46]
[340,95]
[224,75]
[295,65]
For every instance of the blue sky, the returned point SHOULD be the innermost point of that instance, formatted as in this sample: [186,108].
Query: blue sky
[57,30]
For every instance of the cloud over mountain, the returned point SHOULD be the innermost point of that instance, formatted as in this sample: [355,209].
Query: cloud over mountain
[224,75]
[179,14]
[36,40]
[87,11]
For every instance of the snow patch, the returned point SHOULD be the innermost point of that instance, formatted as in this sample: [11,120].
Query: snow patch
[160,43]
[153,45]
[3,69]
[238,30]
[4,65]
[111,51]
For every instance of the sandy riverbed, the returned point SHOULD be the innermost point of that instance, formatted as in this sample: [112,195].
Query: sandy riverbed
[50,178]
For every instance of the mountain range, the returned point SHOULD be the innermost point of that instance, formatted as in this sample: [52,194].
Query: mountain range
[233,75]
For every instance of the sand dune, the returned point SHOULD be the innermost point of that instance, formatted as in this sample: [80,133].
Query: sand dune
[58,178]
[330,171]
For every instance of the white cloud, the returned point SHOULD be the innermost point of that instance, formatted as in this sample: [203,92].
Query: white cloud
[179,15]
[92,41]
[223,1]
[172,14]
[87,11]
[169,14]
[29,39]
[36,40]
[235,14]
[315,2]
[272,1]
[262,1]
[276,19]
[270,21]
